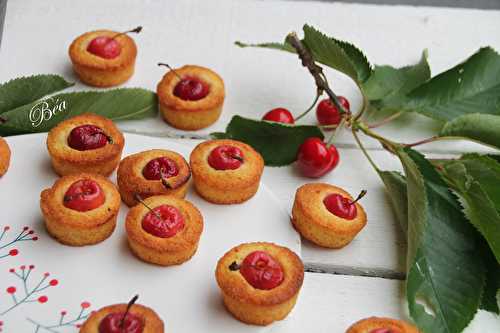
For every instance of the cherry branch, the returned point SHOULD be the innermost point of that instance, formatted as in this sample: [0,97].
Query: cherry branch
[75,322]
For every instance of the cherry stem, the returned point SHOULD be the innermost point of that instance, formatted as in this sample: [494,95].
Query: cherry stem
[238,158]
[315,70]
[421,142]
[360,195]
[334,134]
[318,94]
[138,198]
[385,120]
[165,182]
[129,305]
[171,69]
[135,30]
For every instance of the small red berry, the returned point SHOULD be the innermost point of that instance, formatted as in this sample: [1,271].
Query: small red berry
[84,195]
[225,157]
[12,270]
[23,267]
[279,115]
[13,252]
[11,290]
[261,270]
[34,238]
[191,89]
[6,228]
[328,114]
[78,325]
[85,305]
[31,232]
[32,267]
[63,312]
[315,158]
[46,274]
[25,228]
[53,282]
[43,299]
[104,47]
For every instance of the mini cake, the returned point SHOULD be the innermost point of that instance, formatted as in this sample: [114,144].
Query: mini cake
[226,171]
[152,172]
[123,318]
[381,325]
[191,97]
[104,58]
[260,282]
[164,230]
[327,215]
[4,156]
[85,143]
[80,209]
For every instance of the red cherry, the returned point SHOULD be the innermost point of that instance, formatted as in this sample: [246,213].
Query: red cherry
[382,330]
[87,137]
[31,232]
[225,157]
[85,305]
[25,228]
[84,195]
[43,299]
[32,267]
[112,323]
[11,290]
[104,47]
[13,252]
[54,282]
[328,114]
[12,270]
[23,267]
[261,270]
[161,167]
[191,89]
[279,115]
[340,206]
[6,228]
[170,223]
[64,312]
[35,238]
[315,158]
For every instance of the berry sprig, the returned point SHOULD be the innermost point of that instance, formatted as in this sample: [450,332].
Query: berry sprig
[24,273]
[63,320]
[26,234]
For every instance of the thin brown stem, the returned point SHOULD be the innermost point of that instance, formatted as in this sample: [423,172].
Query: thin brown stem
[171,69]
[318,94]
[135,30]
[129,305]
[139,199]
[360,195]
[421,142]
[385,120]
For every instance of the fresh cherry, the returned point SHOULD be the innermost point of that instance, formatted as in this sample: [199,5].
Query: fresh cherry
[280,115]
[108,47]
[160,168]
[163,221]
[84,195]
[341,206]
[315,158]
[86,137]
[261,270]
[104,47]
[225,157]
[328,114]
[112,323]
[191,89]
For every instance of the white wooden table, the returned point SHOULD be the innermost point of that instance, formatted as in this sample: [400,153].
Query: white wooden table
[341,286]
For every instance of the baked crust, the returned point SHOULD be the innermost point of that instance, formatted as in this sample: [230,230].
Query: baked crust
[256,306]
[131,181]
[191,115]
[164,251]
[226,186]
[152,322]
[314,222]
[4,156]
[100,72]
[368,324]
[66,160]
[76,228]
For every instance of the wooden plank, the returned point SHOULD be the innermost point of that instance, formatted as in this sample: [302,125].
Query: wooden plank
[203,33]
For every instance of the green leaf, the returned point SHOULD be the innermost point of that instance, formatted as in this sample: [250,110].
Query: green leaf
[329,51]
[395,184]
[387,86]
[446,274]
[24,90]
[489,301]
[277,143]
[480,196]
[470,87]
[41,116]
[484,128]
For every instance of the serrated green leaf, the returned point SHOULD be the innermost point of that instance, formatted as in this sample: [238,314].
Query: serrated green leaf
[446,275]
[387,86]
[479,127]
[395,185]
[24,90]
[489,300]
[470,87]
[41,116]
[329,51]
[277,143]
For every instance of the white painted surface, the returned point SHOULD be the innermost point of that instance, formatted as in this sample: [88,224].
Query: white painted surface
[38,33]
